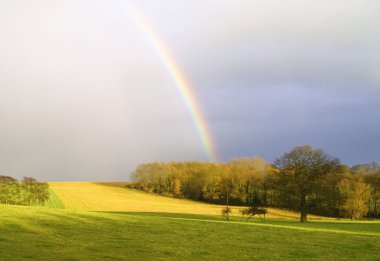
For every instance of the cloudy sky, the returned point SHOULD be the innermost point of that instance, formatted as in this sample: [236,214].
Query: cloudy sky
[84,95]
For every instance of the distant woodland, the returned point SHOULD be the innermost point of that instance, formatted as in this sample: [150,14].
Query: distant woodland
[304,179]
[28,191]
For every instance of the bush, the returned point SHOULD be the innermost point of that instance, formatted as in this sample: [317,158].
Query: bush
[29,191]
[226,212]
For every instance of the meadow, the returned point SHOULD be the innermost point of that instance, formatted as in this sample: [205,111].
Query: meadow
[88,221]
[90,196]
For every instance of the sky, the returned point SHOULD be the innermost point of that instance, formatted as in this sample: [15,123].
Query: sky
[85,94]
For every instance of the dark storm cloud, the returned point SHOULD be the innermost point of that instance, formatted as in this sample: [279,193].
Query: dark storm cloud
[281,73]
[344,124]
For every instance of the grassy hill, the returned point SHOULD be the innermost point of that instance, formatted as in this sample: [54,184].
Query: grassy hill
[59,234]
[111,197]
[101,222]
[95,197]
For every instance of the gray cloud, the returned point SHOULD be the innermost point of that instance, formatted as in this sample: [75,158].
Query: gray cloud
[275,74]
[257,43]
[84,96]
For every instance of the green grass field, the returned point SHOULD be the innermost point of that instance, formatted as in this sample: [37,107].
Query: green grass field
[83,231]
[54,201]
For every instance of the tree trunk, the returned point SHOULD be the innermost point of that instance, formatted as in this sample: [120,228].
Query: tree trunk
[227,197]
[303,209]
[375,209]
[369,209]
[265,198]
[303,216]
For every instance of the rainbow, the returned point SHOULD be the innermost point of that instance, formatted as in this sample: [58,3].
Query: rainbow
[182,84]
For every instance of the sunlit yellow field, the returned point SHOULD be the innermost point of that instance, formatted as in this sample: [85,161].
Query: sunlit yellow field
[95,197]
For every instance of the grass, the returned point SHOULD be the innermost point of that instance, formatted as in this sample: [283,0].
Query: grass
[50,234]
[96,197]
[114,184]
[111,197]
[54,201]
[97,221]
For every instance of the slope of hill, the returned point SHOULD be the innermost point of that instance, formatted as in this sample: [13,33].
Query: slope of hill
[53,201]
[110,197]
[95,197]
[40,233]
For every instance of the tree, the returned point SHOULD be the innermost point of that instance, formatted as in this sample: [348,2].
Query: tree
[27,192]
[9,190]
[356,194]
[226,212]
[176,187]
[328,197]
[300,173]
[374,203]
[366,168]
[34,192]
[6,179]
[253,210]
[247,180]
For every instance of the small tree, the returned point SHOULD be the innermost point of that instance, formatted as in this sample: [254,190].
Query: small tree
[226,212]
[176,187]
[253,210]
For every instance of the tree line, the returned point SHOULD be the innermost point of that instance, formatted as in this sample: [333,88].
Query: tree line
[305,179]
[28,191]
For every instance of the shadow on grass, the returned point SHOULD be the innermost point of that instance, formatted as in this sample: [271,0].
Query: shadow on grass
[168,215]
[325,227]
[199,217]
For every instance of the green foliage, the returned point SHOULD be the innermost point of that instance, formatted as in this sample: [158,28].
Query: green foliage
[27,192]
[53,201]
[9,192]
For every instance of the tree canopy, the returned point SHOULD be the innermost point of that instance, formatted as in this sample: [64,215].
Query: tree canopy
[301,173]
[28,191]
[304,179]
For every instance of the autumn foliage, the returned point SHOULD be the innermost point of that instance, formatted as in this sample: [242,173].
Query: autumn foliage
[304,179]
